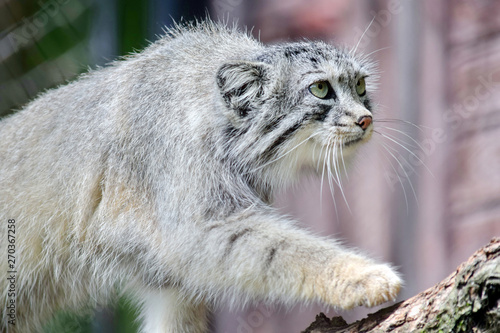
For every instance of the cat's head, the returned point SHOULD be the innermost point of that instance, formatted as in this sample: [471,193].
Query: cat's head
[296,105]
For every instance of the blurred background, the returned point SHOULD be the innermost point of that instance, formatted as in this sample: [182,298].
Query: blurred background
[424,194]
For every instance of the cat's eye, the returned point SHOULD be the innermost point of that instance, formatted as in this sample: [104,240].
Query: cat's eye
[319,89]
[361,87]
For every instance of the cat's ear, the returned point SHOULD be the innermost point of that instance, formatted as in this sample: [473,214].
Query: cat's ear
[241,84]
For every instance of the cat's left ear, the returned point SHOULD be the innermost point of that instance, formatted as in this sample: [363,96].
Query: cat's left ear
[242,84]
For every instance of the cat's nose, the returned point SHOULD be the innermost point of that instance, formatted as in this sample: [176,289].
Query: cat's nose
[364,122]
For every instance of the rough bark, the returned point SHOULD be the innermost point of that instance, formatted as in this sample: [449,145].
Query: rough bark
[466,301]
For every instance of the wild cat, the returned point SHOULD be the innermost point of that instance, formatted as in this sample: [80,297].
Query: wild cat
[155,175]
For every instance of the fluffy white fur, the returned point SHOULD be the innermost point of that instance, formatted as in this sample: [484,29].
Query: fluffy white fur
[154,176]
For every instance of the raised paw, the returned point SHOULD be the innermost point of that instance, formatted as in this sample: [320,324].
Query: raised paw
[367,285]
[380,284]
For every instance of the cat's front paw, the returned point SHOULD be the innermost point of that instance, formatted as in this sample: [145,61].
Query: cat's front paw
[367,285]
[379,284]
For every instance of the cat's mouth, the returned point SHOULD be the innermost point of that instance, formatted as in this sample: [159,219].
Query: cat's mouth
[352,141]
[352,138]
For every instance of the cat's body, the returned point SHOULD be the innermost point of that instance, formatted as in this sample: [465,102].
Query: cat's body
[154,175]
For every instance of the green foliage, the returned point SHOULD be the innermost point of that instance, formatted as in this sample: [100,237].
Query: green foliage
[122,317]
[66,322]
[132,25]
[44,45]
[126,314]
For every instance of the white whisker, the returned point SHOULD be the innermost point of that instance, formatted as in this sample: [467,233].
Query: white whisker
[397,175]
[323,174]
[330,175]
[337,172]
[412,153]
[373,52]
[361,38]
[319,157]
[314,152]
[342,156]
[390,120]
[403,133]
[406,174]
[284,154]
[406,162]
[401,141]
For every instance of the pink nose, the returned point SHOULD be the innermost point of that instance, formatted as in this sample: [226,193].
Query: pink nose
[364,122]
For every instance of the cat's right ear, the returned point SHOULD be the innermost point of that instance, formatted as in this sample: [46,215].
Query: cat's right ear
[241,85]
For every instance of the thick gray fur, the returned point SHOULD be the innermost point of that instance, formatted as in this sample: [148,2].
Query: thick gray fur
[154,177]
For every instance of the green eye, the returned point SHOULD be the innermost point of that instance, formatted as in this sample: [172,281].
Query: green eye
[319,89]
[361,87]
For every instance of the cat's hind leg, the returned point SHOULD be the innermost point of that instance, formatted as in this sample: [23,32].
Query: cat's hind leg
[167,311]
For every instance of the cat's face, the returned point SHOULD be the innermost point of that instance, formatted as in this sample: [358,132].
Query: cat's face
[299,98]
[330,87]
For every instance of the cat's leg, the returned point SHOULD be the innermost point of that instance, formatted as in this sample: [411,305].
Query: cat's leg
[256,255]
[166,311]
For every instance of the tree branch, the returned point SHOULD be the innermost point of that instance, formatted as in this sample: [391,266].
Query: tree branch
[467,301]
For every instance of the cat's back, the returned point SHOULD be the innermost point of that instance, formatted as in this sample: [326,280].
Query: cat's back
[205,43]
[186,59]
[164,92]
